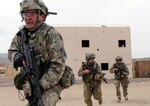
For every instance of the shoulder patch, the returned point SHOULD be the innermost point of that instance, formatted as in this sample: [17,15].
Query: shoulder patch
[62,51]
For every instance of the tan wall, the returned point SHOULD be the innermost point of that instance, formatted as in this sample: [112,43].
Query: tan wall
[141,68]
[103,42]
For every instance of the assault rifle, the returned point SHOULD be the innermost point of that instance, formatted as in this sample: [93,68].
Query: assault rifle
[95,72]
[120,67]
[32,73]
[121,70]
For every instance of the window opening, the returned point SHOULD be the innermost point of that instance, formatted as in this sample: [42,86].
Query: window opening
[85,43]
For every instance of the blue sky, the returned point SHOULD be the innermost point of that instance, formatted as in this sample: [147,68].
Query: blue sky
[133,13]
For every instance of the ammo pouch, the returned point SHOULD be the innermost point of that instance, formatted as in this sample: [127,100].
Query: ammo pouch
[19,79]
[68,78]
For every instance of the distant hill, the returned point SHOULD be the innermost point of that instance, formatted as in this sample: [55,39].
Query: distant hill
[4,58]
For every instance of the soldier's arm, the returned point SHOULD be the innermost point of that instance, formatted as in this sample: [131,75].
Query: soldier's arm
[113,69]
[127,70]
[56,55]
[81,71]
[98,69]
[15,47]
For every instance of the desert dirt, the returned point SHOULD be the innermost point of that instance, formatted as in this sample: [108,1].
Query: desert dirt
[139,94]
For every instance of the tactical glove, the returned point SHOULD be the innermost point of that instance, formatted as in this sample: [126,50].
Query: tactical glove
[18,60]
[87,71]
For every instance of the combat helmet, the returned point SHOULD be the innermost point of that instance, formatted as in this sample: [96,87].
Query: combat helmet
[89,56]
[118,58]
[35,5]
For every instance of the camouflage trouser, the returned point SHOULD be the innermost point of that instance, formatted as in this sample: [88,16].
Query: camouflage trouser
[51,96]
[92,89]
[124,84]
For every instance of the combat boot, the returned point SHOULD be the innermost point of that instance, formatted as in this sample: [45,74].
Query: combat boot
[119,99]
[100,102]
[126,98]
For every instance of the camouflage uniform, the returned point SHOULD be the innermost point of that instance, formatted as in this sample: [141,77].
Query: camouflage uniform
[120,75]
[47,43]
[91,86]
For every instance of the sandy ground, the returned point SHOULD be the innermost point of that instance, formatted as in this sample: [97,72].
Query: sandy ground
[139,94]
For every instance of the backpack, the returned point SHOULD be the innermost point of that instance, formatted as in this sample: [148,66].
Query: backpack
[68,78]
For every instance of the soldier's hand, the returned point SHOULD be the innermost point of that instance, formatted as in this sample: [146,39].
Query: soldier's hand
[26,89]
[115,70]
[124,75]
[96,77]
[87,71]
[19,60]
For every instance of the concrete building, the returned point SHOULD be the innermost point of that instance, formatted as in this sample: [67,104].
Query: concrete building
[106,42]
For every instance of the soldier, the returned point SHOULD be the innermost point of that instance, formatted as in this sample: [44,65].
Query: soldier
[121,72]
[91,79]
[47,43]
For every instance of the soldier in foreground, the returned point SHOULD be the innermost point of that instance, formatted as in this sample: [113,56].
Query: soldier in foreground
[121,73]
[91,79]
[39,50]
